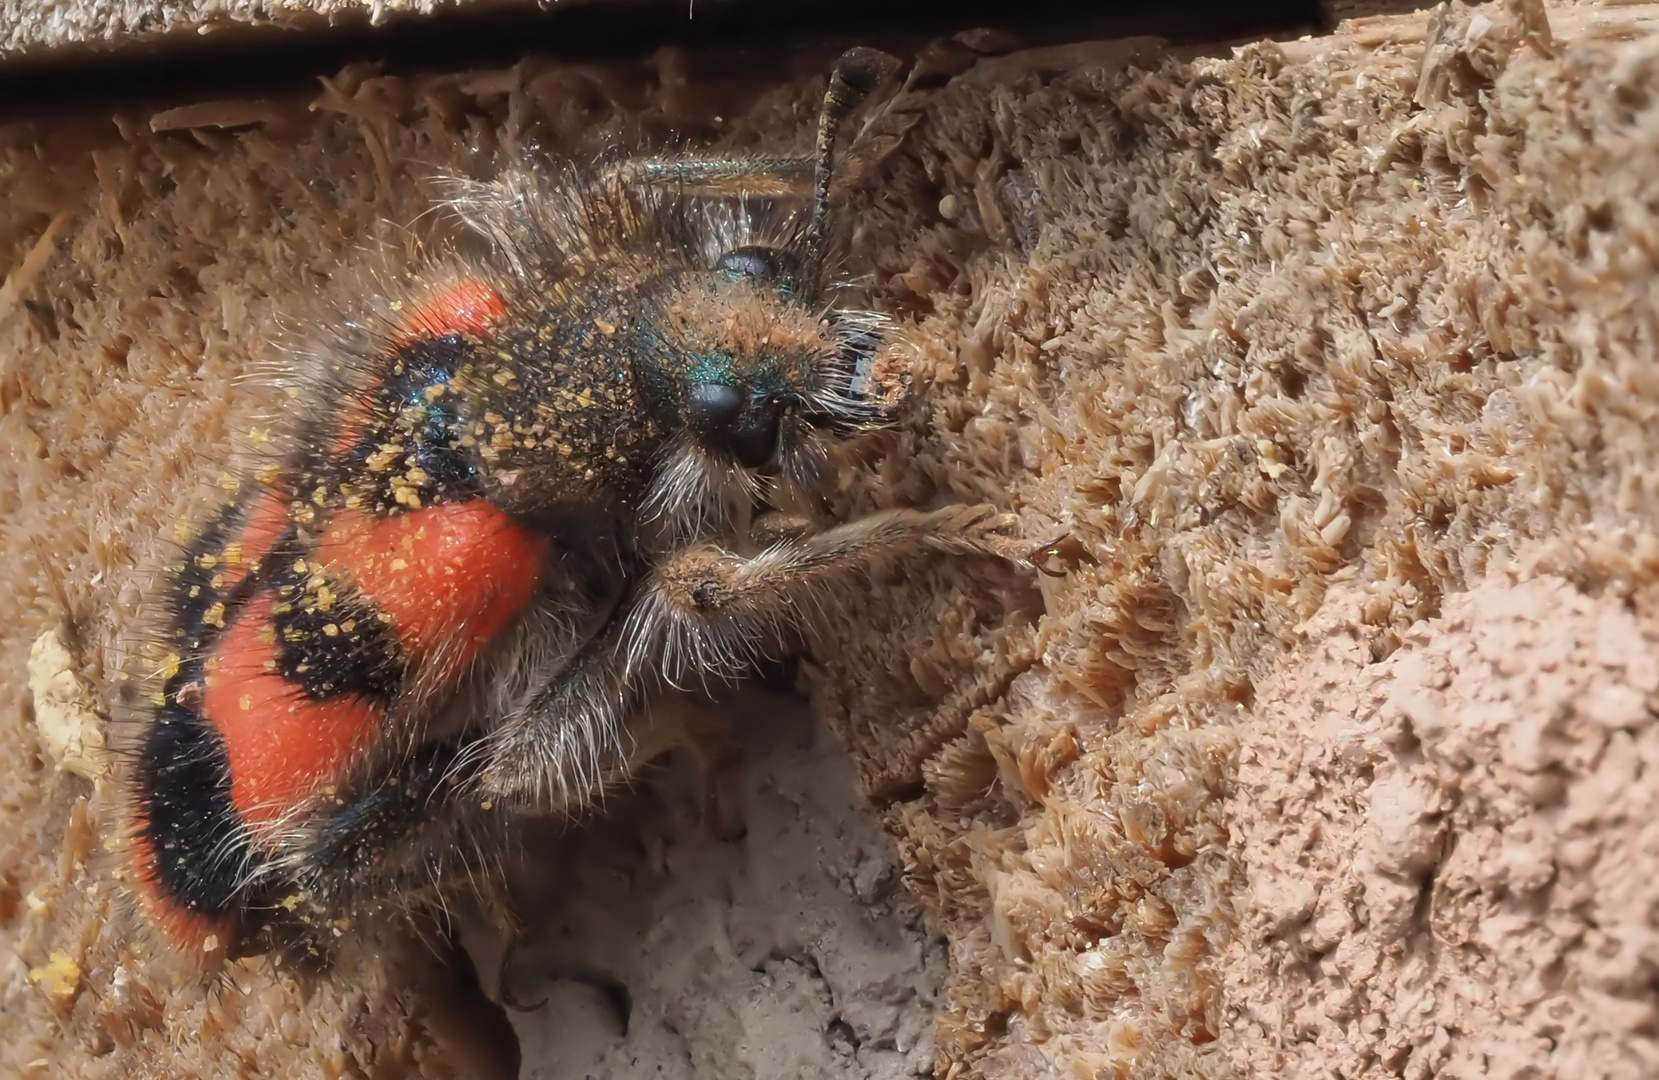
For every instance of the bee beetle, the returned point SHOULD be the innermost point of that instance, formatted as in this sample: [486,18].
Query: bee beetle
[504,526]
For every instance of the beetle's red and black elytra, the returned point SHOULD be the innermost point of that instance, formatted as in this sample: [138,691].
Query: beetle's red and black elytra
[503,525]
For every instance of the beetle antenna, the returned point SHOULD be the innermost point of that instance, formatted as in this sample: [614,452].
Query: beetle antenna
[857,73]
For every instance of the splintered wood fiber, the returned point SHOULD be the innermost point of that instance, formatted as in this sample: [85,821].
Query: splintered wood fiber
[1374,310]
[33,28]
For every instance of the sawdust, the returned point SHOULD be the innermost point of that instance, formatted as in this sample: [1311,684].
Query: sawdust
[1371,310]
[793,951]
[66,713]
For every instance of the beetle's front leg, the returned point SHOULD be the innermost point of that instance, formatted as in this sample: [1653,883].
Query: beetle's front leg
[707,612]
[703,614]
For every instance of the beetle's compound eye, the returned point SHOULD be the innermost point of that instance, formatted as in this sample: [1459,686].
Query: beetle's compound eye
[727,419]
[760,263]
[711,408]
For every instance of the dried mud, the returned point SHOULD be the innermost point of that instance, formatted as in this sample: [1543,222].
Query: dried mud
[1451,869]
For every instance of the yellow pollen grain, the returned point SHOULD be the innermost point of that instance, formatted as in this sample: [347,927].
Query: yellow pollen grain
[245,702]
[417,475]
[268,475]
[233,554]
[215,616]
[267,634]
[399,564]
[170,665]
[60,977]
[207,560]
[604,327]
[259,434]
[184,532]
[505,376]
[270,665]
[330,630]
[325,598]
[301,566]
[434,392]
